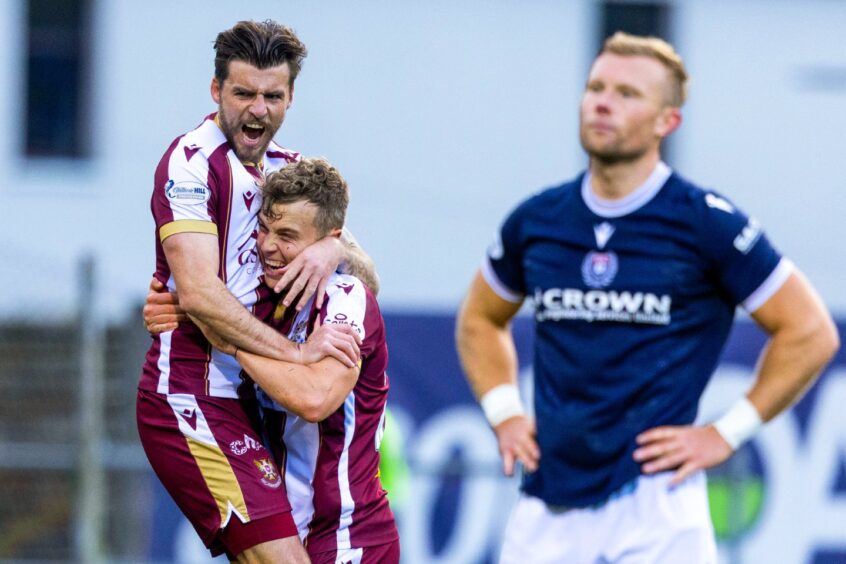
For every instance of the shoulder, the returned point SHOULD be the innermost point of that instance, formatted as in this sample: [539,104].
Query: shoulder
[682,191]
[349,300]
[554,196]
[544,203]
[277,156]
[193,150]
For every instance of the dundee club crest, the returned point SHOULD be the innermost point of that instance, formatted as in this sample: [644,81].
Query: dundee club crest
[599,268]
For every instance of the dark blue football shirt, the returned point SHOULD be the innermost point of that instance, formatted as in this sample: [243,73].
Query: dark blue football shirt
[633,302]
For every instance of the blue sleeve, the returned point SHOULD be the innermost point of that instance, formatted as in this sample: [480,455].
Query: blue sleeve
[503,267]
[741,255]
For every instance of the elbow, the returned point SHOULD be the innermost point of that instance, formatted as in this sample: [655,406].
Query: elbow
[315,414]
[822,342]
[829,340]
[314,409]
[193,303]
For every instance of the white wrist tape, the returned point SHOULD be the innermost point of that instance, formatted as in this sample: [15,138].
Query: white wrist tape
[501,403]
[739,423]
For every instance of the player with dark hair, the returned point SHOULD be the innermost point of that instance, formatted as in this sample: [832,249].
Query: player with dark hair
[200,435]
[324,420]
[635,274]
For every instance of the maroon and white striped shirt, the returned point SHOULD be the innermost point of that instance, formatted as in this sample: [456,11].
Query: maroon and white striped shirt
[200,186]
[332,467]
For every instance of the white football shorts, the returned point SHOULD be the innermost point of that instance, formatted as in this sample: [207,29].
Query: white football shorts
[652,524]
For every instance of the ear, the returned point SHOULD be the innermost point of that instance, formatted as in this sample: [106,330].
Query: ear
[335,233]
[215,90]
[668,121]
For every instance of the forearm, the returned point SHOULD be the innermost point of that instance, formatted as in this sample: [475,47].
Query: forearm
[358,263]
[312,391]
[212,304]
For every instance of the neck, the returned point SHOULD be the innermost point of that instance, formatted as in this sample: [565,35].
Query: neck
[615,180]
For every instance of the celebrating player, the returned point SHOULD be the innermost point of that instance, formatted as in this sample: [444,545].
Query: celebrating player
[200,437]
[324,420]
[635,274]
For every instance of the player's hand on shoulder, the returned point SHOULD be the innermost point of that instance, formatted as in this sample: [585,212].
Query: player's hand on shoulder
[309,272]
[516,439]
[685,449]
[337,340]
[161,309]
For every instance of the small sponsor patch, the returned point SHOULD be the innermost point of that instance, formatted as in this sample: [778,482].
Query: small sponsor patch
[718,203]
[187,192]
[748,237]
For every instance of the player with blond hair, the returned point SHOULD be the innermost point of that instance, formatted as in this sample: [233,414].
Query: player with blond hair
[635,274]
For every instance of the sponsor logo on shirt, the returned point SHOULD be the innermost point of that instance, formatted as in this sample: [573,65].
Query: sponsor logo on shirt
[558,304]
[344,319]
[187,192]
[748,237]
[239,447]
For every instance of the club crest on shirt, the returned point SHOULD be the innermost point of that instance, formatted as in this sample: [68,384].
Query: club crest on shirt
[270,477]
[599,268]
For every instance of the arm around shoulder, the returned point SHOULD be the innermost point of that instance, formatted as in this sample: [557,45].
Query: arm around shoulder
[312,391]
[193,259]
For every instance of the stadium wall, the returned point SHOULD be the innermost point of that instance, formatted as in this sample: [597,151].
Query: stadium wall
[442,116]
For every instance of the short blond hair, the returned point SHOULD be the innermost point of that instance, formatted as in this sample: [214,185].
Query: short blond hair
[625,44]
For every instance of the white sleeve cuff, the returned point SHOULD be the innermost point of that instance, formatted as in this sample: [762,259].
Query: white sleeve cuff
[497,286]
[768,287]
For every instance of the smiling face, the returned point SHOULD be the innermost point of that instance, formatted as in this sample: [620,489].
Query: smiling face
[283,235]
[252,103]
[624,112]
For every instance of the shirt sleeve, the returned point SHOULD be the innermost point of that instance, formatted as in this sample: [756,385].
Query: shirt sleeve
[183,198]
[747,266]
[503,265]
[347,302]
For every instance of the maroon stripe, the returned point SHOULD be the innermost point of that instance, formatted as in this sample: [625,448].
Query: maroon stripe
[372,519]
[160,207]
[288,156]
[220,204]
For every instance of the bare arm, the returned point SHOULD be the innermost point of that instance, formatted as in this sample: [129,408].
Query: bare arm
[489,359]
[483,336]
[312,391]
[358,263]
[803,338]
[194,261]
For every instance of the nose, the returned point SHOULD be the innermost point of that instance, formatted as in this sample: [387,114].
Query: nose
[259,108]
[598,102]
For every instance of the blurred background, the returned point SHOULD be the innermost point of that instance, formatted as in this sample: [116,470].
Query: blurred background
[442,116]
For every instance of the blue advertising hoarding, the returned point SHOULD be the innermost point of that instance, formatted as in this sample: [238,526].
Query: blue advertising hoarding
[781,498]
